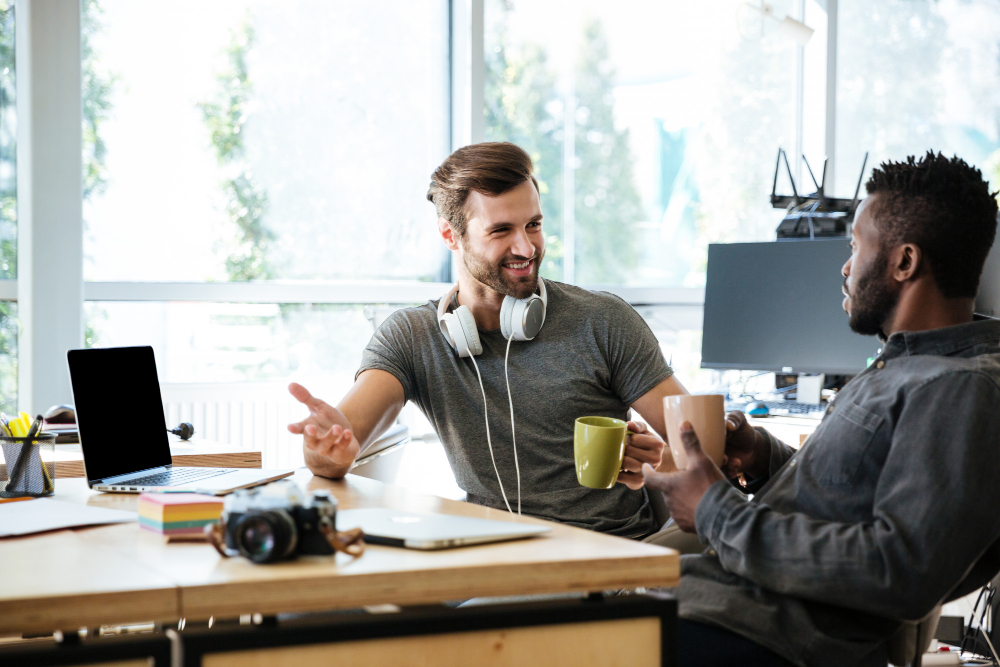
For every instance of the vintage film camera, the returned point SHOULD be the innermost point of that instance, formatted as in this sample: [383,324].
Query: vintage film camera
[276,522]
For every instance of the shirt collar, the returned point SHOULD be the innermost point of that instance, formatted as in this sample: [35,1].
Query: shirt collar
[944,341]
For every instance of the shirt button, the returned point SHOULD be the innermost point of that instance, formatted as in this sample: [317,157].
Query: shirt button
[711,552]
[792,463]
[880,364]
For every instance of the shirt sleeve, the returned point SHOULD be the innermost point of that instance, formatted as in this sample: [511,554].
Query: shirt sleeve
[391,350]
[932,519]
[634,356]
[779,455]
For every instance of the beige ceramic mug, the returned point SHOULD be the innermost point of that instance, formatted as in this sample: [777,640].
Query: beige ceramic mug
[707,414]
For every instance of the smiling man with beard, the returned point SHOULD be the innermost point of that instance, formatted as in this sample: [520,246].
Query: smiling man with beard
[593,356]
[889,509]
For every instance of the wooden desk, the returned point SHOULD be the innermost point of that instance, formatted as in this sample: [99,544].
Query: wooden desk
[119,574]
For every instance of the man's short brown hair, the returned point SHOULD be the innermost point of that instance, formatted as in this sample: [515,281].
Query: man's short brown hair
[490,168]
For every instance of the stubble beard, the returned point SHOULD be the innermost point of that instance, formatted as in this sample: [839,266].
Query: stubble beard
[873,301]
[492,275]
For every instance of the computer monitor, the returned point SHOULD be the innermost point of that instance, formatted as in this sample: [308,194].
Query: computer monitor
[777,306]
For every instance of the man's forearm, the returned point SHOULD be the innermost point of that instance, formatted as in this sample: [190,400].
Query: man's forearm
[776,454]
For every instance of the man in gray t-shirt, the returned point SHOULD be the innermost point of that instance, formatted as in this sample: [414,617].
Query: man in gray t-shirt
[592,356]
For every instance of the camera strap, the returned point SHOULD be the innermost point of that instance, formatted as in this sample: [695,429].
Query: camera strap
[351,542]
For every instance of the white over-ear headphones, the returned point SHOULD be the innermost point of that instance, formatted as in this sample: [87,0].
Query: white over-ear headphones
[520,319]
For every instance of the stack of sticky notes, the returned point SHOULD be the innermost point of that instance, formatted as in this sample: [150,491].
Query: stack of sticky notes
[180,515]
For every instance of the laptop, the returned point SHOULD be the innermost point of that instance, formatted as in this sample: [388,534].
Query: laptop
[123,431]
[431,531]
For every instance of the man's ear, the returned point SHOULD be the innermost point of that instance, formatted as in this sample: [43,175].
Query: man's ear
[906,262]
[447,234]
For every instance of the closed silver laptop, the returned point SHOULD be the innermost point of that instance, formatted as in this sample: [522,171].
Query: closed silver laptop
[431,531]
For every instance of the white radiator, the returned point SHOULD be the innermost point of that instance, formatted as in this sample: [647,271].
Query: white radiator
[252,416]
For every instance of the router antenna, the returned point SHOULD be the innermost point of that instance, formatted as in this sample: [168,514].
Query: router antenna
[822,180]
[774,186]
[788,167]
[854,204]
[818,190]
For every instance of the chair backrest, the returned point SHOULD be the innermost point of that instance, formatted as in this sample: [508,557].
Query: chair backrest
[659,506]
[908,645]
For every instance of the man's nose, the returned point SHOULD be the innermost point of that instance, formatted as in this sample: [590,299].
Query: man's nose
[845,270]
[522,245]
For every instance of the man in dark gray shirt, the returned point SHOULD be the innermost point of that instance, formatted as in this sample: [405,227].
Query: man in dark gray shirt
[889,509]
[575,353]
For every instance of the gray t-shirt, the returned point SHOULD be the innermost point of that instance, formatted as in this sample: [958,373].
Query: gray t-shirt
[594,356]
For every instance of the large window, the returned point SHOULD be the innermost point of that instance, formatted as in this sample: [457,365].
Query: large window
[237,141]
[244,140]
[8,210]
[914,76]
[244,161]
[653,126]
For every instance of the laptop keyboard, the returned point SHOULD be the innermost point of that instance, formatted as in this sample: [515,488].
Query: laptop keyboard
[177,476]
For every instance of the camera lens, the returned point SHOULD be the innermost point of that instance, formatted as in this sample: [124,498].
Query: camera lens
[265,537]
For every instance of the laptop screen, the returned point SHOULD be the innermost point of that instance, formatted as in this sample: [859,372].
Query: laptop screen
[119,411]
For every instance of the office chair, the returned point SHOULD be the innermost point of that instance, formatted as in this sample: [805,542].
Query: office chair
[906,648]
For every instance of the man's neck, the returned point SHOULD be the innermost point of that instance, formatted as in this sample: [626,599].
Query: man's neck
[483,301]
[922,307]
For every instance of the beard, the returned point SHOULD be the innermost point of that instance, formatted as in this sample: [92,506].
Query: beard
[873,300]
[492,275]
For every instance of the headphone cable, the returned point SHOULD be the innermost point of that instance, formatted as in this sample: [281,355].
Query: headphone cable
[489,443]
[513,439]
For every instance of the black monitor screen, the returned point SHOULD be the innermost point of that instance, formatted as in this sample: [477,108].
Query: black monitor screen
[119,410]
[777,306]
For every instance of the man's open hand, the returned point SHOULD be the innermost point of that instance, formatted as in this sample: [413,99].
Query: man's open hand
[326,433]
[683,489]
[642,447]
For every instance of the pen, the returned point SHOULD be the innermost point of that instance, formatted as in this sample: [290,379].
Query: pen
[32,432]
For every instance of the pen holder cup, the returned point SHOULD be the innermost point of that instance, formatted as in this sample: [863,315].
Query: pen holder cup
[28,467]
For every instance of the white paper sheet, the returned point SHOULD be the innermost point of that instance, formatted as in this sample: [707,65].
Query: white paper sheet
[41,514]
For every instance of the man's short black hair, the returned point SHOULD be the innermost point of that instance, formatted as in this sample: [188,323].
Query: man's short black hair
[942,205]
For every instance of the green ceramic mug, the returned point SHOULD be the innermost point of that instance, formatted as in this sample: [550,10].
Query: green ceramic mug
[598,448]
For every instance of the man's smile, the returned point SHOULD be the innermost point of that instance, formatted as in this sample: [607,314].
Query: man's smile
[519,268]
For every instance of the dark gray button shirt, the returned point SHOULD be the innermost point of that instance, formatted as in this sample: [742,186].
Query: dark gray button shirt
[888,509]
